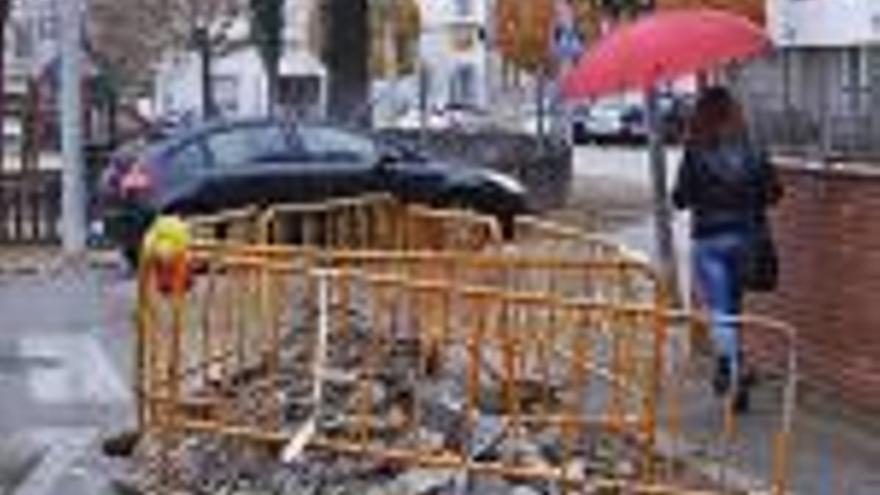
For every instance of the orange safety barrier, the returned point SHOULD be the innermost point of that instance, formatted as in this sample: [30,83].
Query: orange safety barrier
[366,222]
[379,222]
[241,225]
[410,337]
[456,361]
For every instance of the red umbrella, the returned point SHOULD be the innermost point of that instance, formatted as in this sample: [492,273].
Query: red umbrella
[661,47]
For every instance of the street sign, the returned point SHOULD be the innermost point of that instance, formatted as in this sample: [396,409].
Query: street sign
[567,42]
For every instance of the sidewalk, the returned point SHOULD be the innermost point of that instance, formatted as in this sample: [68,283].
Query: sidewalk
[65,369]
[834,451]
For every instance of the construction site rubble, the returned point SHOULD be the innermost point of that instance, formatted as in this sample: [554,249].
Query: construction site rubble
[439,368]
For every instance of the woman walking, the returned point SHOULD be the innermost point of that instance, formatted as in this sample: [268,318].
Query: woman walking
[727,183]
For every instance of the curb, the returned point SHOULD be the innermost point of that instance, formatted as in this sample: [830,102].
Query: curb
[46,264]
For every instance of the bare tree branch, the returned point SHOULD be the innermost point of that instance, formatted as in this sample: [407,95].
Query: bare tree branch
[133,35]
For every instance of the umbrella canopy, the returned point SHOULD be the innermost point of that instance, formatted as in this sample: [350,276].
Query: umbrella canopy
[661,47]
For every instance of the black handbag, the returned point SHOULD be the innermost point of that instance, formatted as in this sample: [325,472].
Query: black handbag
[759,268]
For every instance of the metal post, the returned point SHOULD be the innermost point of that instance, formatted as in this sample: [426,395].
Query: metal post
[663,229]
[73,200]
[424,89]
[873,104]
[825,110]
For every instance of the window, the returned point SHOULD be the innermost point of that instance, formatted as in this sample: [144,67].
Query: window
[300,94]
[226,94]
[48,27]
[462,87]
[23,42]
[854,78]
[244,145]
[463,7]
[324,143]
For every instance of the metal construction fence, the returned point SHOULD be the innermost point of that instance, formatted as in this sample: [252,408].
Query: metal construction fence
[367,222]
[476,366]
[30,207]
[380,222]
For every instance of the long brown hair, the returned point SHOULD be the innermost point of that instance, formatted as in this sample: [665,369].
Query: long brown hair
[717,117]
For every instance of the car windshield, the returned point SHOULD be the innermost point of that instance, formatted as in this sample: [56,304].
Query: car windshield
[326,143]
[243,145]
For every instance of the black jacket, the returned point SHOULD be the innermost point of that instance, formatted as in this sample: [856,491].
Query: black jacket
[727,186]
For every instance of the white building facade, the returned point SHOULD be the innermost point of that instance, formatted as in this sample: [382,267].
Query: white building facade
[239,80]
[823,23]
[32,41]
[454,51]
[822,85]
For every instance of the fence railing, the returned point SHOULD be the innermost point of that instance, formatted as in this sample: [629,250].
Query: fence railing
[379,222]
[845,131]
[566,371]
[30,207]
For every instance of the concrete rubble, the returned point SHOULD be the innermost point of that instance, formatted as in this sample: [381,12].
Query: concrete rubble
[396,388]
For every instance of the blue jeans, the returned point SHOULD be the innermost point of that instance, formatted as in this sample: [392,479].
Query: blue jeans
[715,266]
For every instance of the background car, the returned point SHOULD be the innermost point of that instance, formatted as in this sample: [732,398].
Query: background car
[217,166]
[459,117]
[609,120]
[624,120]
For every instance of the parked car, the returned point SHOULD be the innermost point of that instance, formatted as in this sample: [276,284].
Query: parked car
[609,120]
[624,120]
[216,166]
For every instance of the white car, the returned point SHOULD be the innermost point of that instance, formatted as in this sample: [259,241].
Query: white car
[412,119]
[610,120]
[451,117]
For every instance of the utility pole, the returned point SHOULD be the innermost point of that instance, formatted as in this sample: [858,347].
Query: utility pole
[73,191]
[664,231]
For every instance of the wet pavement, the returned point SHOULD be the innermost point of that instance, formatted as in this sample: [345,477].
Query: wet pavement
[66,353]
[65,364]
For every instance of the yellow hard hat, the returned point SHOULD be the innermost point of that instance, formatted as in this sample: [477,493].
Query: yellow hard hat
[166,238]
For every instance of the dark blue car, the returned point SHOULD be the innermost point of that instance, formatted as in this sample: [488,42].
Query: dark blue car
[217,166]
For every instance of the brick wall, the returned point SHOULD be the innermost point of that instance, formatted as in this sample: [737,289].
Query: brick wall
[828,235]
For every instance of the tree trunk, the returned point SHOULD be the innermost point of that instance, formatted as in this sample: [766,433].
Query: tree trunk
[390,55]
[272,90]
[112,124]
[346,53]
[267,28]
[203,45]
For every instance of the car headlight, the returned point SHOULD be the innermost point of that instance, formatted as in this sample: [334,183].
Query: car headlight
[507,183]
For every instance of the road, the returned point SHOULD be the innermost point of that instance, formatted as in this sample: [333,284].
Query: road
[612,193]
[64,378]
